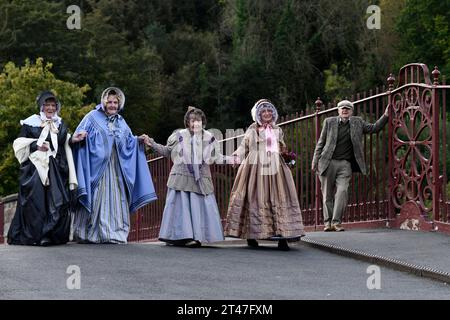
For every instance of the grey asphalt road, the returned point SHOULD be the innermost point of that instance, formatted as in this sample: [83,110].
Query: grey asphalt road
[226,271]
[428,249]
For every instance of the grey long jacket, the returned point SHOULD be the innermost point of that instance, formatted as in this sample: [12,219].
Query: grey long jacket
[181,176]
[327,141]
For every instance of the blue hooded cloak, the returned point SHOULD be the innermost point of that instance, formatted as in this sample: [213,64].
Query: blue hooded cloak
[92,155]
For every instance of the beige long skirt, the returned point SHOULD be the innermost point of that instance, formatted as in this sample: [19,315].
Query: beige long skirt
[263,202]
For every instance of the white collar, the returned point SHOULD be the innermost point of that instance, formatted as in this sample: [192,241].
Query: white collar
[36,120]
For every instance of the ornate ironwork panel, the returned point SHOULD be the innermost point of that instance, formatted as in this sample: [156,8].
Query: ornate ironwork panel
[412,142]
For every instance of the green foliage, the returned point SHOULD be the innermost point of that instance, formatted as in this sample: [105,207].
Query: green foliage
[425,34]
[444,149]
[19,87]
[336,85]
[32,29]
[219,55]
[285,47]
[448,190]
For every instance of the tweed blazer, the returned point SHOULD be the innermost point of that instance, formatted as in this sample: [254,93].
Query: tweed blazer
[327,141]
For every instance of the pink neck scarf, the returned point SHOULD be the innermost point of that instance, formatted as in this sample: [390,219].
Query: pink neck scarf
[271,139]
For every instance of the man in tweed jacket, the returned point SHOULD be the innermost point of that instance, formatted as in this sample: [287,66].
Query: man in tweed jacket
[338,153]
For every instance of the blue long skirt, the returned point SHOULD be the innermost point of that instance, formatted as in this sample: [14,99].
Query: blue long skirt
[190,216]
[109,219]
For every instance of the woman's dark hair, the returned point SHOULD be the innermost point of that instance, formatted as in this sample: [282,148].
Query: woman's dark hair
[197,113]
[51,99]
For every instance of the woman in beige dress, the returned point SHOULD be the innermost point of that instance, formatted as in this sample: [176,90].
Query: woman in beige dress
[263,202]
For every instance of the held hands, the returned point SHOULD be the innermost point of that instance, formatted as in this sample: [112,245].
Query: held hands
[143,138]
[80,136]
[236,160]
[146,139]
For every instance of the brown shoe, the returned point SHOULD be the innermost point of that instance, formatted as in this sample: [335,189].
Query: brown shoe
[328,228]
[338,227]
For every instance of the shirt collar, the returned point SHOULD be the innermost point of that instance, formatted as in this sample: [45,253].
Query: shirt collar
[342,121]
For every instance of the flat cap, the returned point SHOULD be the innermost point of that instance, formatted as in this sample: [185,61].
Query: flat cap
[346,104]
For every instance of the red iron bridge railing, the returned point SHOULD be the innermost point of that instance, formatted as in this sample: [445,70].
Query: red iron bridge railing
[406,162]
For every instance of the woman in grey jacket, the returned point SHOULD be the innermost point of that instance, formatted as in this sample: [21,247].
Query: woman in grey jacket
[191,215]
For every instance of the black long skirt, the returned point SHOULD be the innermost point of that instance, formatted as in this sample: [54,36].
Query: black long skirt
[42,211]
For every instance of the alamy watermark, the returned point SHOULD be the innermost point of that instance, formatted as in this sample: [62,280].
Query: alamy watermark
[374,280]
[374,21]
[74,280]
[74,20]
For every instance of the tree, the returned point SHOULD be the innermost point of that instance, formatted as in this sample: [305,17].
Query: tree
[282,48]
[32,29]
[220,55]
[19,87]
[425,33]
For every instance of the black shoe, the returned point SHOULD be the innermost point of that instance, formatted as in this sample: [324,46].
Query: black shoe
[283,245]
[174,243]
[45,242]
[193,244]
[252,243]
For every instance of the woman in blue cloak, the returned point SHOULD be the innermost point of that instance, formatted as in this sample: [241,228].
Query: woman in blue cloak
[113,176]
